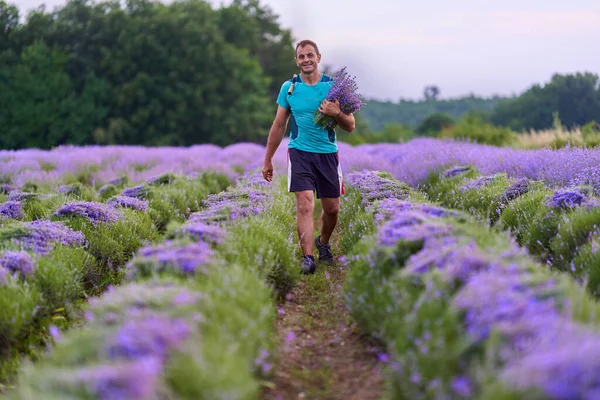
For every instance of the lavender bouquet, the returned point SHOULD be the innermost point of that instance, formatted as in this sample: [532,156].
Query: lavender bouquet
[345,90]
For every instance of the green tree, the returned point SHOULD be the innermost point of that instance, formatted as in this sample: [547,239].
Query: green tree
[474,127]
[575,97]
[248,25]
[433,124]
[412,113]
[9,21]
[170,75]
[39,106]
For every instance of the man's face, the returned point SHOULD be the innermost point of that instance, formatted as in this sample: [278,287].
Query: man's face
[307,59]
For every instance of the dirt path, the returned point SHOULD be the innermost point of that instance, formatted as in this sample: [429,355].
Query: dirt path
[321,352]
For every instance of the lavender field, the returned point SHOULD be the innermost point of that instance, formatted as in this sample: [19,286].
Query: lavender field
[157,273]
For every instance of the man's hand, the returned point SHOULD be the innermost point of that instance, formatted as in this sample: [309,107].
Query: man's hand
[267,171]
[331,108]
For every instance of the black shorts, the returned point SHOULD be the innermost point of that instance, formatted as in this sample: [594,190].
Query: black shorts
[317,172]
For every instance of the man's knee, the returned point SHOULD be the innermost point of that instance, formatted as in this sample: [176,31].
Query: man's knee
[305,203]
[331,206]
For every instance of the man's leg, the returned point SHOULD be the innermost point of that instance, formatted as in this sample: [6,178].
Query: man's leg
[329,185]
[305,206]
[329,217]
[301,181]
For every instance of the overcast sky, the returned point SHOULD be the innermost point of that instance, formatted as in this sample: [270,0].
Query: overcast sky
[395,48]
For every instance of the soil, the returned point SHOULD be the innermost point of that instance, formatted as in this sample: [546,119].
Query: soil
[322,353]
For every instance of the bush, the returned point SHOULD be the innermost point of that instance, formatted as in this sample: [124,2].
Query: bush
[434,124]
[263,243]
[354,221]
[474,128]
[176,198]
[575,230]
[463,312]
[112,244]
[59,277]
[196,325]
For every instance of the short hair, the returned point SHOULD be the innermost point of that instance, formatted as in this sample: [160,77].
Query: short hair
[305,42]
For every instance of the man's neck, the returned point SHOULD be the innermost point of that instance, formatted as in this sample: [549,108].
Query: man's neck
[311,79]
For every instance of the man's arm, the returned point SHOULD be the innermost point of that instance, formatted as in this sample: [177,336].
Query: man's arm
[346,121]
[332,108]
[277,131]
[274,140]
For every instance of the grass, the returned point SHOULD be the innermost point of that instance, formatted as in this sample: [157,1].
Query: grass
[322,354]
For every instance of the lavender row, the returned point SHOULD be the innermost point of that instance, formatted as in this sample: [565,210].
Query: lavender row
[412,162]
[557,225]
[190,247]
[409,162]
[185,312]
[464,312]
[100,165]
[231,225]
[57,249]
[159,339]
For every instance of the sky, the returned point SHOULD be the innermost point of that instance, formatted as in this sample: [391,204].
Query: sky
[480,47]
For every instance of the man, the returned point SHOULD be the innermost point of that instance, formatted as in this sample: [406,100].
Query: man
[313,162]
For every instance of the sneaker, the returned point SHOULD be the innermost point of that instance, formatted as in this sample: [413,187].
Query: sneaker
[325,254]
[308,265]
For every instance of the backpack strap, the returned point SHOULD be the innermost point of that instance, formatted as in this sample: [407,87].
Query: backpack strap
[294,79]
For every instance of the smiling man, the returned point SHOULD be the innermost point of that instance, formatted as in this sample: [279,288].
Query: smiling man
[313,161]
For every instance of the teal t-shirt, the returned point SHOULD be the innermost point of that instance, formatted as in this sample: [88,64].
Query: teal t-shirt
[304,101]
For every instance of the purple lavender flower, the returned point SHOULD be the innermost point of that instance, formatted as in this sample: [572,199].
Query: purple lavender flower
[41,235]
[500,299]
[139,191]
[11,209]
[54,332]
[95,212]
[458,260]
[251,179]
[128,202]
[119,181]
[153,336]
[568,198]
[345,90]
[456,170]
[411,226]
[519,188]
[209,233]
[234,204]
[414,161]
[479,182]
[17,262]
[134,380]
[262,361]
[22,196]
[186,259]
[6,188]
[462,386]
[388,208]
[69,189]
[145,296]
[383,358]
[373,186]
[162,179]
[564,364]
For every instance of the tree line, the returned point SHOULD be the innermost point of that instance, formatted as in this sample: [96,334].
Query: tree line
[140,72]
[149,73]
[574,97]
